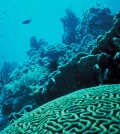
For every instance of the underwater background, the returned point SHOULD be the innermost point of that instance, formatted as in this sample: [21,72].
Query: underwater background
[59,66]
[45,16]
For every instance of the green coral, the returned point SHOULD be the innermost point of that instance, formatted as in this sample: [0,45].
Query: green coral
[91,110]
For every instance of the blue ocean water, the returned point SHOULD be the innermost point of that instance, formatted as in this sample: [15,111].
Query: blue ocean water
[45,22]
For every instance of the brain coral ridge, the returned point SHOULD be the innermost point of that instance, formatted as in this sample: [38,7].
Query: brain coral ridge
[88,111]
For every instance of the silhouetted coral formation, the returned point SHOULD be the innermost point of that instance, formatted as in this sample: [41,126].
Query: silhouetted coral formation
[108,61]
[96,21]
[70,23]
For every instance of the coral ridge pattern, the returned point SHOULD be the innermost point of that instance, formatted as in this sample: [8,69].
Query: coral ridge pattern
[88,111]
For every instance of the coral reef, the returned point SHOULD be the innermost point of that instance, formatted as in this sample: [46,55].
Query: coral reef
[110,43]
[6,71]
[100,19]
[35,45]
[54,70]
[108,60]
[78,73]
[53,65]
[91,110]
[70,23]
[26,82]
[23,88]
[96,21]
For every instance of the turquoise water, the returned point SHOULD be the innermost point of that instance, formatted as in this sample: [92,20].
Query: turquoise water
[45,22]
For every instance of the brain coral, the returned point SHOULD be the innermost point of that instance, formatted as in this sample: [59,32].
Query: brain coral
[87,111]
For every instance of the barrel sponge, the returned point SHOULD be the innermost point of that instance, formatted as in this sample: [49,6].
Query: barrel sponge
[87,111]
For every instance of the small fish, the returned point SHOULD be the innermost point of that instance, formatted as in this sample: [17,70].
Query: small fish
[26,21]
